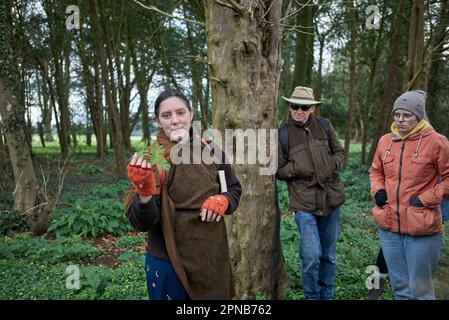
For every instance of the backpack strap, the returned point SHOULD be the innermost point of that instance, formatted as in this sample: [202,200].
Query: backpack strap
[283,140]
[283,134]
[325,125]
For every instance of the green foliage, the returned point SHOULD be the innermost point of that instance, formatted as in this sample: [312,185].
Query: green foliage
[356,182]
[130,242]
[92,217]
[114,191]
[48,252]
[22,279]
[130,256]
[10,220]
[89,171]
[283,197]
[156,154]
[6,201]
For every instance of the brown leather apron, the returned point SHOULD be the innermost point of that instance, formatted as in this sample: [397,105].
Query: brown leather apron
[198,250]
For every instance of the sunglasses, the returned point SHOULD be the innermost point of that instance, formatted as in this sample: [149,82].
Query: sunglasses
[297,106]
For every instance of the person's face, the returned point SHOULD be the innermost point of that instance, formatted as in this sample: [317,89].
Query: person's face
[405,120]
[174,118]
[300,113]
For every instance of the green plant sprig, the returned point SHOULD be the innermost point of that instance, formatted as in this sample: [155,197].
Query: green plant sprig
[156,154]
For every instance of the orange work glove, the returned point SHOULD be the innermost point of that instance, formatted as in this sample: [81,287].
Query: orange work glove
[217,204]
[142,177]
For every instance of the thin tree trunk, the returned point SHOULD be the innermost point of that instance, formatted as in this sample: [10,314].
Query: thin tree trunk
[61,95]
[435,79]
[3,161]
[304,46]
[368,99]
[390,79]
[244,91]
[114,115]
[98,114]
[352,78]
[415,61]
[88,127]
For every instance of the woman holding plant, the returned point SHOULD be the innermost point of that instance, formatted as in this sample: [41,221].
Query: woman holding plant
[181,206]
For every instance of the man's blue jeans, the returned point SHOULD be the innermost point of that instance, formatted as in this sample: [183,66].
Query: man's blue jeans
[318,250]
[412,263]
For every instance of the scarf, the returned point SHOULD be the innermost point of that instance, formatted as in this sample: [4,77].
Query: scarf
[420,126]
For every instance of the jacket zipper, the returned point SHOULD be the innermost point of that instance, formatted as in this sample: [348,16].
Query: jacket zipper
[399,187]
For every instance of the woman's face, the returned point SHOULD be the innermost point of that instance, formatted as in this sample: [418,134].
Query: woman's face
[175,119]
[405,120]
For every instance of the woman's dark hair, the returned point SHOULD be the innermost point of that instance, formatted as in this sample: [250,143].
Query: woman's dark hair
[168,94]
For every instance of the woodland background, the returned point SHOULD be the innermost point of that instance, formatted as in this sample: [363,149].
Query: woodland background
[77,100]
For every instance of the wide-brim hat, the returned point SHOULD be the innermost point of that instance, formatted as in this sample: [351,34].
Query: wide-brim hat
[302,96]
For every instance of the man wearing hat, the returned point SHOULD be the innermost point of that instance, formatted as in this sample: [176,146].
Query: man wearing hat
[309,155]
[405,173]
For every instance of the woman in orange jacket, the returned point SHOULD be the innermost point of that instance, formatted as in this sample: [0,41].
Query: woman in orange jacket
[404,183]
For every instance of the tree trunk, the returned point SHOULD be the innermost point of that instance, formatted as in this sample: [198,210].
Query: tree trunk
[352,78]
[318,81]
[46,110]
[24,176]
[368,99]
[114,115]
[57,40]
[244,69]
[124,89]
[25,194]
[196,69]
[302,76]
[390,80]
[415,61]
[3,161]
[88,128]
[47,99]
[98,112]
[435,79]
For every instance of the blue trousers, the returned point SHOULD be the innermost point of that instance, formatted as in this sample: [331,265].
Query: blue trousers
[162,281]
[412,263]
[318,250]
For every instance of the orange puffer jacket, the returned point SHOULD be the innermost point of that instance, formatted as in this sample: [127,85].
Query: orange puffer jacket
[406,169]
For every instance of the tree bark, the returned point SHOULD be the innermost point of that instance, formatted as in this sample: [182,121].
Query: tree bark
[390,80]
[114,115]
[415,61]
[368,99]
[352,78]
[3,161]
[435,80]
[302,76]
[98,114]
[56,42]
[244,70]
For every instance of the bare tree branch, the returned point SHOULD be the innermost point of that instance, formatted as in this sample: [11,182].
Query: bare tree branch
[153,8]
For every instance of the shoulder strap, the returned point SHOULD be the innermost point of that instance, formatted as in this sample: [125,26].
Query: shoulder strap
[283,140]
[325,125]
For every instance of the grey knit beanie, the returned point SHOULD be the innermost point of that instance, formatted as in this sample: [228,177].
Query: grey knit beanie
[413,101]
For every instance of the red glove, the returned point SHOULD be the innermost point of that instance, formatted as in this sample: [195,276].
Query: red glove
[142,179]
[217,204]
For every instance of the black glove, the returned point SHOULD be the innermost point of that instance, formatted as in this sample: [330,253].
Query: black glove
[381,197]
[415,202]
